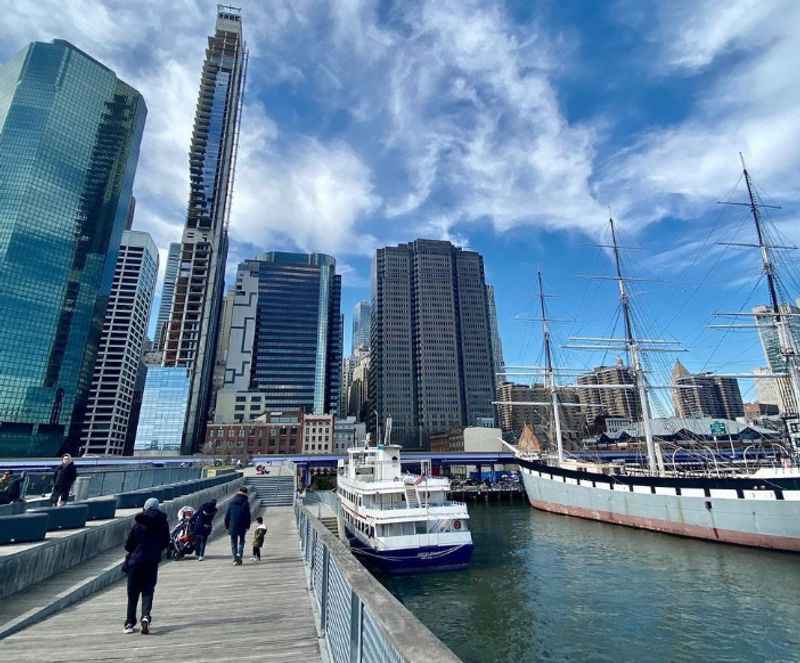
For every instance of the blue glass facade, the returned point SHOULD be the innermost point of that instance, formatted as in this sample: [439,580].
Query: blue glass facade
[297,349]
[163,411]
[70,132]
[361,320]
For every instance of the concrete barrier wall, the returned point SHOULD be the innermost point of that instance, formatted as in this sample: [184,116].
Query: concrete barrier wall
[35,564]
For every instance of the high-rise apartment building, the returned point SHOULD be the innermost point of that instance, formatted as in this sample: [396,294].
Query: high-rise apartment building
[358,397]
[70,132]
[191,337]
[512,418]
[768,335]
[710,396]
[430,343]
[497,345]
[285,342]
[346,382]
[119,357]
[167,291]
[620,402]
[361,320]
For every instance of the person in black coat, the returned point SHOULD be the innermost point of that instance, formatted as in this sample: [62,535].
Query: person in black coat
[62,481]
[237,522]
[12,489]
[201,524]
[148,537]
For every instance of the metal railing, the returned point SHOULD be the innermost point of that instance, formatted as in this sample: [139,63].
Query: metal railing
[358,617]
[111,481]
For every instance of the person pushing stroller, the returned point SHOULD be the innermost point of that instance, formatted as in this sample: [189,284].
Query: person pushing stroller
[201,525]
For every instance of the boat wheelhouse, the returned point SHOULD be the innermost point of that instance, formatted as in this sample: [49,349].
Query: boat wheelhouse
[400,523]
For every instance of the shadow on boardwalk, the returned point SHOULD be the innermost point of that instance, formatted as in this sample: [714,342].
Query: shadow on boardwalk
[208,611]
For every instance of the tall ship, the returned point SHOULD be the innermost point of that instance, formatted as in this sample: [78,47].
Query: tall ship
[400,523]
[716,500]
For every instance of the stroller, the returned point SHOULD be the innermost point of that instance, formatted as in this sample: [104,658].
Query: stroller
[181,541]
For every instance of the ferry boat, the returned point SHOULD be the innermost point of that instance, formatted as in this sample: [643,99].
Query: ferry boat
[400,523]
[723,502]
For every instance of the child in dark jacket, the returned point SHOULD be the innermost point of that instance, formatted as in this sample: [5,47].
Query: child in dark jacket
[258,538]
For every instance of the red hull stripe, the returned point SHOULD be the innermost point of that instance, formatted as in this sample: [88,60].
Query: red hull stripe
[670,527]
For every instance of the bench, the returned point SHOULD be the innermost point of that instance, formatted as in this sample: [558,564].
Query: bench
[12,509]
[71,516]
[23,527]
[101,508]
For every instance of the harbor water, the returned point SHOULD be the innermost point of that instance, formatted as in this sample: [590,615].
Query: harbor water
[555,588]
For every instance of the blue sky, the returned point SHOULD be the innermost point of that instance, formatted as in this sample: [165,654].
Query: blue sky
[508,127]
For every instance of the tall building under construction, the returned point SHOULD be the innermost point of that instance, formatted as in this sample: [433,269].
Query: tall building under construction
[191,335]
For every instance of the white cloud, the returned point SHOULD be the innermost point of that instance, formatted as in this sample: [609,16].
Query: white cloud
[748,105]
[310,192]
[477,119]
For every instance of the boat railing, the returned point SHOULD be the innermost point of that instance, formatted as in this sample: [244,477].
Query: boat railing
[405,505]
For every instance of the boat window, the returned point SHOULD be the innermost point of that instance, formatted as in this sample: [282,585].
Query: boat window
[421,526]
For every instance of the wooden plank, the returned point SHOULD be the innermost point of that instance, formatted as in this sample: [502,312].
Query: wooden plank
[208,611]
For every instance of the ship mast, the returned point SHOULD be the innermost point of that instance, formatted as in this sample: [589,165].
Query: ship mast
[788,348]
[779,318]
[549,372]
[634,356]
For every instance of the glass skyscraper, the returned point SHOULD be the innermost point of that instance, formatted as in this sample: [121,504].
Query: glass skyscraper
[285,342]
[193,328]
[361,319]
[167,290]
[163,411]
[70,132]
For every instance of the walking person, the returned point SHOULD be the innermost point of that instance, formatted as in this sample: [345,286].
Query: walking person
[62,481]
[201,524]
[11,488]
[148,537]
[237,522]
[258,538]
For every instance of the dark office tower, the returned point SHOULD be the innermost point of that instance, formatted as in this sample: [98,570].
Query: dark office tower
[197,303]
[119,357]
[497,345]
[69,144]
[431,351]
[361,317]
[167,290]
[285,340]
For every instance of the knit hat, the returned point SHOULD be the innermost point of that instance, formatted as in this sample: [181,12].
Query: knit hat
[151,503]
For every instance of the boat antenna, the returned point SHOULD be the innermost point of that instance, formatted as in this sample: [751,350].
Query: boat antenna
[549,375]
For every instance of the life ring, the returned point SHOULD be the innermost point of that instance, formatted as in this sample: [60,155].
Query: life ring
[456,524]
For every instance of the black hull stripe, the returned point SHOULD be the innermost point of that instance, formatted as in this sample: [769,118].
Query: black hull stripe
[710,483]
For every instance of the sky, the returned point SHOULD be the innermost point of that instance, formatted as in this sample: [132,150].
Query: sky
[512,128]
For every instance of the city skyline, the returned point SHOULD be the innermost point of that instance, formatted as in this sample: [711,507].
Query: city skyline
[305,121]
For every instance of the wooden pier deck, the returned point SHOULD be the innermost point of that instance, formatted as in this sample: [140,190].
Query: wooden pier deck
[203,612]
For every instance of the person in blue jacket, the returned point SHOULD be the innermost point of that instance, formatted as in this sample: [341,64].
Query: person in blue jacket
[237,522]
[148,537]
